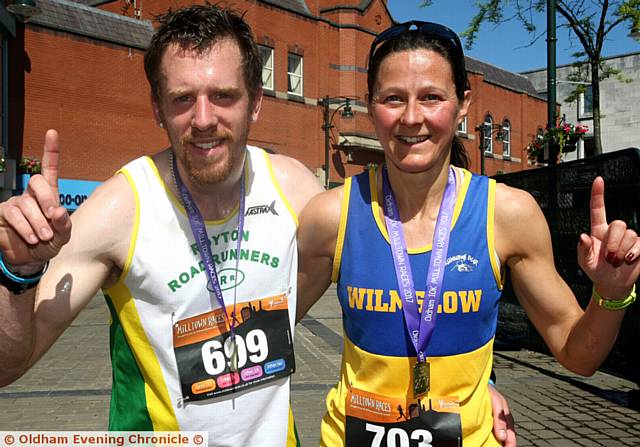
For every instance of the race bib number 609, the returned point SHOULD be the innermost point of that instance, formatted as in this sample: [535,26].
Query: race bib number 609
[212,362]
[217,356]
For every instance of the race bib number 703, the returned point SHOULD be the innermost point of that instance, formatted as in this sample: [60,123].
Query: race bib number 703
[374,420]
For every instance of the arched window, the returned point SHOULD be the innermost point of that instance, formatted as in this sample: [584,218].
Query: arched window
[506,138]
[486,135]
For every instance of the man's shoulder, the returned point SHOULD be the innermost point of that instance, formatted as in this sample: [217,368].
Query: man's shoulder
[298,183]
[284,162]
[112,201]
[102,227]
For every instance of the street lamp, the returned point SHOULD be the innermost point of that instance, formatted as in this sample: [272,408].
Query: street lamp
[487,130]
[344,106]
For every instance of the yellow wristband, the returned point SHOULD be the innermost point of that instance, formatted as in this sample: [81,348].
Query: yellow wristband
[614,304]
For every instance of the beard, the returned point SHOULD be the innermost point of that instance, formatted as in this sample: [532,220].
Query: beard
[207,172]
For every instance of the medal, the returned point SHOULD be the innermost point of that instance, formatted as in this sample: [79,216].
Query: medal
[233,353]
[420,325]
[420,379]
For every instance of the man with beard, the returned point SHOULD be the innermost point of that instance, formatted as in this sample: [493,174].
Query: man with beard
[201,290]
[173,226]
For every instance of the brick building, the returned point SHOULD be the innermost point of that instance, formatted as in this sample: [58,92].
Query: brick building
[77,66]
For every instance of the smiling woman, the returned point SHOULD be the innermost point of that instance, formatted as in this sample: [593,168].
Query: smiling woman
[416,116]
[419,248]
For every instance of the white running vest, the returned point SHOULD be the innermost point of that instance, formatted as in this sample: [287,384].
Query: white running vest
[163,281]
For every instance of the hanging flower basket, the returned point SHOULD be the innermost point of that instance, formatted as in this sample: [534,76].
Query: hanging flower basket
[571,143]
[561,139]
[535,151]
[29,166]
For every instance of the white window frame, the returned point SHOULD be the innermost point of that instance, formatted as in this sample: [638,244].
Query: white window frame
[506,138]
[582,113]
[292,76]
[488,136]
[267,67]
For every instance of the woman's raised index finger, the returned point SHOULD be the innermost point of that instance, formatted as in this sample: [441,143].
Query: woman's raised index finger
[50,159]
[596,205]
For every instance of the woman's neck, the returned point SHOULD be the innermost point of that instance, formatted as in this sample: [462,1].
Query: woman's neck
[418,195]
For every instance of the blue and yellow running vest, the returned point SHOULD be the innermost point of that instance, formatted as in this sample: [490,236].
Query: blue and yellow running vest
[378,353]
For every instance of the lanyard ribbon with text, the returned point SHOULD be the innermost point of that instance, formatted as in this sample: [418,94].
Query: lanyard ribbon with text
[420,327]
[199,230]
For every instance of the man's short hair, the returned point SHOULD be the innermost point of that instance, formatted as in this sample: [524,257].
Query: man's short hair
[197,28]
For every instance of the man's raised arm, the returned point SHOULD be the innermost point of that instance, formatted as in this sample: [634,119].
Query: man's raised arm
[37,303]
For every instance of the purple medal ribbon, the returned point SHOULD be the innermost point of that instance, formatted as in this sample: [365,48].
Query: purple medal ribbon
[420,327]
[199,230]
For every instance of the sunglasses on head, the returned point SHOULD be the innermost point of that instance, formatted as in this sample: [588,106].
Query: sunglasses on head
[427,28]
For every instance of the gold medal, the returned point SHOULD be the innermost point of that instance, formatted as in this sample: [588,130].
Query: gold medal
[420,379]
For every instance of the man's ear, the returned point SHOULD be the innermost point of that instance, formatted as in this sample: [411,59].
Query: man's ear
[157,113]
[257,105]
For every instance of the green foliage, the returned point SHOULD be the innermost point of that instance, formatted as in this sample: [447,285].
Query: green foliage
[590,22]
[561,135]
[630,10]
[578,16]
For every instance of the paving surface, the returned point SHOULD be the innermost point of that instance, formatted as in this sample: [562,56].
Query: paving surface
[69,388]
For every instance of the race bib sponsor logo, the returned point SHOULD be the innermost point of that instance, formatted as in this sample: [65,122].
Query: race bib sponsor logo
[212,362]
[374,420]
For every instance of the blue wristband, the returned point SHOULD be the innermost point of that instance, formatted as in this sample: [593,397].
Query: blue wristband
[20,280]
[491,382]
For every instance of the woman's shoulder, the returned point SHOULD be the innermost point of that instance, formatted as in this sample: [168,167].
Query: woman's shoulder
[513,203]
[521,227]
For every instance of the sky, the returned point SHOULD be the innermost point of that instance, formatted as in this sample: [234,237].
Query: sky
[506,45]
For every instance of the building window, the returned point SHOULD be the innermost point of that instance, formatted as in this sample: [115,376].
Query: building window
[462,127]
[506,138]
[486,134]
[266,53]
[585,104]
[294,74]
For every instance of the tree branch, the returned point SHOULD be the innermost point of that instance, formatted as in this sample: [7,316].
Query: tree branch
[583,34]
